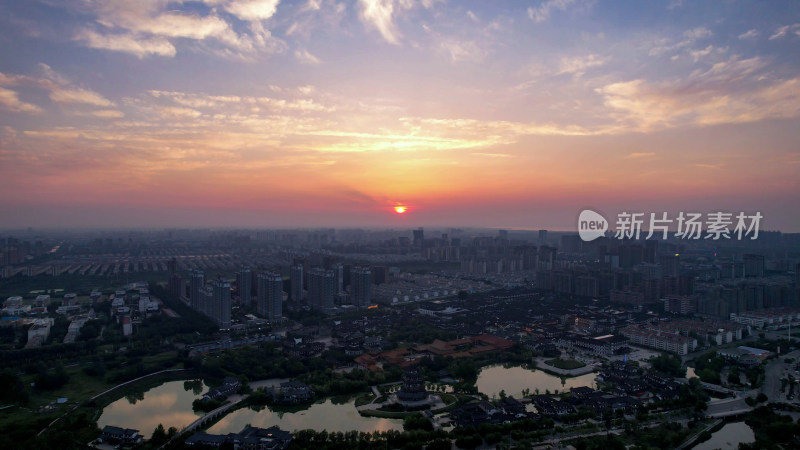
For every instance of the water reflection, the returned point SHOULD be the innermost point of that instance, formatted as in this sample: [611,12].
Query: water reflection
[513,380]
[169,404]
[729,436]
[333,414]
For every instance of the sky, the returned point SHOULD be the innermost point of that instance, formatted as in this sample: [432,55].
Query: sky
[516,114]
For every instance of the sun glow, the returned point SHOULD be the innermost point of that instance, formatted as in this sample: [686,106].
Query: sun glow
[400,209]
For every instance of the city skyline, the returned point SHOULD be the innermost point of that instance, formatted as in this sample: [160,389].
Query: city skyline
[511,115]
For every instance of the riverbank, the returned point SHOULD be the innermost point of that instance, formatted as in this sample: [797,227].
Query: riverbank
[541,364]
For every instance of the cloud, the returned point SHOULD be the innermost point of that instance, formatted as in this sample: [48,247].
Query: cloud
[252,9]
[749,34]
[688,38]
[542,12]
[378,13]
[108,114]
[147,27]
[638,155]
[713,97]
[459,51]
[305,57]
[127,43]
[700,54]
[697,33]
[492,155]
[784,30]
[60,90]
[578,65]
[10,100]
[675,4]
[76,95]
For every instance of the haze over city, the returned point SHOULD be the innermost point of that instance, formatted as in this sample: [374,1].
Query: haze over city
[503,114]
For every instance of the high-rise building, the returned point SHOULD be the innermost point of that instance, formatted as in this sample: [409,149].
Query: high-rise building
[197,283]
[529,254]
[650,251]
[346,278]
[296,279]
[542,237]
[176,285]
[419,237]
[172,266]
[320,289]
[379,274]
[220,309]
[206,294]
[361,288]
[670,265]
[547,256]
[270,295]
[338,277]
[797,275]
[571,243]
[630,255]
[244,284]
[753,265]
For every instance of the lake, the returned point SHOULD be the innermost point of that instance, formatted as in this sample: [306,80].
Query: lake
[493,379]
[169,404]
[728,437]
[324,415]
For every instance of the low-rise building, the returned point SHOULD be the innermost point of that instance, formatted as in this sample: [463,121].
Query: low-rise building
[250,438]
[117,435]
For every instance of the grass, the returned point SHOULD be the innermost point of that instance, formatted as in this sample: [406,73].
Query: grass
[364,399]
[80,388]
[565,364]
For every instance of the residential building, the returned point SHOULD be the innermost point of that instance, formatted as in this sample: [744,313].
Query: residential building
[269,286]
[361,287]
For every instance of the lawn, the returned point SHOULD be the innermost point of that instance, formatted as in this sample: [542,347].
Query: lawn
[565,364]
[364,399]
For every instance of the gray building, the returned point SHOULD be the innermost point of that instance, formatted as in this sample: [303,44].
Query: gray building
[296,278]
[244,283]
[221,306]
[361,286]
[270,295]
[195,293]
[320,289]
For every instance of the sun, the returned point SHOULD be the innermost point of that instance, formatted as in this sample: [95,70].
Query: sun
[400,209]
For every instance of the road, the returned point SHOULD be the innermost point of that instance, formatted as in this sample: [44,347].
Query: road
[775,370]
[727,407]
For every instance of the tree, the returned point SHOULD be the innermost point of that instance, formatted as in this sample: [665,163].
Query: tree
[669,364]
[159,436]
[417,422]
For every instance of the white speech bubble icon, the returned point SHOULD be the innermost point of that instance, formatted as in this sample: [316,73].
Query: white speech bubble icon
[591,225]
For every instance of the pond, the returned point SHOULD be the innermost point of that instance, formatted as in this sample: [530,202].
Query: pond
[169,404]
[325,415]
[512,380]
[729,436]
